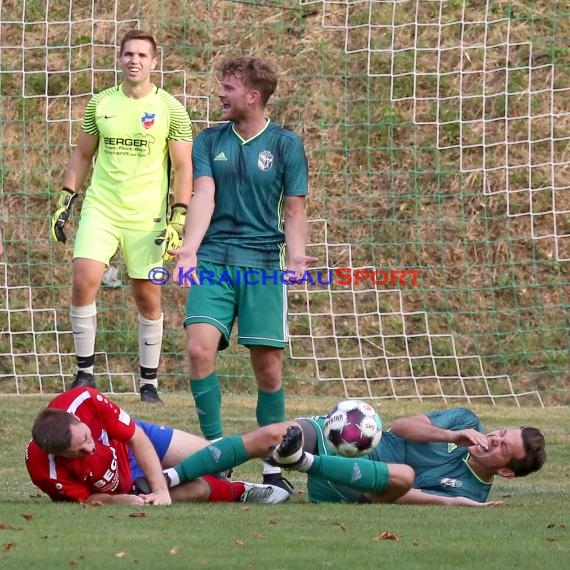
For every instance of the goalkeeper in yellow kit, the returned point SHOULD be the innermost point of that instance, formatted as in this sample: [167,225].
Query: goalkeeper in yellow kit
[140,134]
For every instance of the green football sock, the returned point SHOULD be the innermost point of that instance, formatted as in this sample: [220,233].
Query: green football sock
[358,473]
[219,456]
[270,407]
[208,399]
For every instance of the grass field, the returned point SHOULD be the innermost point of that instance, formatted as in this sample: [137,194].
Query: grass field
[530,531]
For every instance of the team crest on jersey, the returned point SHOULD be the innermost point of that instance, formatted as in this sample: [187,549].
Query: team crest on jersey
[148,120]
[447,482]
[265,160]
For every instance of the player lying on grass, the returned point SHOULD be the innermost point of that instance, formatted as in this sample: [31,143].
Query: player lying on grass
[86,448]
[453,460]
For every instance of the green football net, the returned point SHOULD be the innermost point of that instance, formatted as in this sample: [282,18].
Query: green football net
[438,138]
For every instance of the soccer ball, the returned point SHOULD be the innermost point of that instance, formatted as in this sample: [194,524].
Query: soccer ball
[353,428]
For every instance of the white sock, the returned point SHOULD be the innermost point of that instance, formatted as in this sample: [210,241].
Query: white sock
[174,479]
[84,328]
[150,345]
[270,469]
[150,341]
[305,462]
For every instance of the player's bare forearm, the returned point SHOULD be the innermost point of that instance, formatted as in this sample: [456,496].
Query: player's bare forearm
[419,428]
[149,462]
[419,497]
[76,173]
[120,499]
[80,162]
[296,235]
[295,226]
[200,213]
[158,499]
[181,159]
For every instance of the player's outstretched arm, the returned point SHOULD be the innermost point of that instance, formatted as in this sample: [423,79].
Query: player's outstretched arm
[122,499]
[181,159]
[419,497]
[419,428]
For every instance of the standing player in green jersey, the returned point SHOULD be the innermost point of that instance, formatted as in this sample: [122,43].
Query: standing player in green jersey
[247,218]
[140,134]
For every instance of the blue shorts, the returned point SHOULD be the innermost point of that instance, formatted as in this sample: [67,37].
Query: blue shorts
[160,437]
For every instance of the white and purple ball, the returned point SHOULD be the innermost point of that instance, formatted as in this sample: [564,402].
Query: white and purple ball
[353,428]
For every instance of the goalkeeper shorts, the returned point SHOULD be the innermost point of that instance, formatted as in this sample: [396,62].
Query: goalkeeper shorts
[99,240]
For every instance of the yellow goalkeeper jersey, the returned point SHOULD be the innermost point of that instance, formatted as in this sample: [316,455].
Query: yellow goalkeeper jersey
[129,185]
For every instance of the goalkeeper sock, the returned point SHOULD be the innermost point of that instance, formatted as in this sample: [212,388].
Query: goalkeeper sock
[208,399]
[150,344]
[224,454]
[84,327]
[358,473]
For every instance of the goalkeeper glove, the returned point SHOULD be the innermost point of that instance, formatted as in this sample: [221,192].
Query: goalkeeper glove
[171,237]
[59,219]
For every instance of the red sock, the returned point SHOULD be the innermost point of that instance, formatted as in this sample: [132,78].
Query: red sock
[222,490]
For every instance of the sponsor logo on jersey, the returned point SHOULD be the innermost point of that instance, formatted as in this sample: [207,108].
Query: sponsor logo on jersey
[108,482]
[220,156]
[139,145]
[451,447]
[148,120]
[265,160]
[121,142]
[447,482]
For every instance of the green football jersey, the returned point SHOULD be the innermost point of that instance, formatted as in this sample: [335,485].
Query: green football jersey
[129,185]
[441,468]
[252,178]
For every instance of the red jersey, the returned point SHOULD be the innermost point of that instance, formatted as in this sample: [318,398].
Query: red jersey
[107,470]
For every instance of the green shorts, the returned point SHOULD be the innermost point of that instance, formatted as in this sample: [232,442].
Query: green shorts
[256,297]
[321,490]
[99,240]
